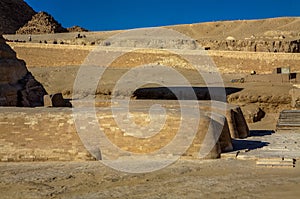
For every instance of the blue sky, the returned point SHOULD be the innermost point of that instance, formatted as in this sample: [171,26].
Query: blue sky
[126,14]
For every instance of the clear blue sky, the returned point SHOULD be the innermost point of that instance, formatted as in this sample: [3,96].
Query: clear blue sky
[126,14]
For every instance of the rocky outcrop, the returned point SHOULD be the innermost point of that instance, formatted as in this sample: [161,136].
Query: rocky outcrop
[13,15]
[41,23]
[77,29]
[17,85]
[253,113]
[286,46]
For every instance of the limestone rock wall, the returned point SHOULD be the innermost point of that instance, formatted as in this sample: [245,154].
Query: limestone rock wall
[286,46]
[17,85]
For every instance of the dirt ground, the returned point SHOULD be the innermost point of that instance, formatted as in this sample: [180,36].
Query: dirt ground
[184,179]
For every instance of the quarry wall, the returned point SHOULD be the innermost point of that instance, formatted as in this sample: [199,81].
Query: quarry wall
[285,46]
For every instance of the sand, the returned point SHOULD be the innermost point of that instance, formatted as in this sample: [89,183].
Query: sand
[184,179]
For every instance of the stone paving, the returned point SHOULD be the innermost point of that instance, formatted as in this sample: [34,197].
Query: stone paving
[267,145]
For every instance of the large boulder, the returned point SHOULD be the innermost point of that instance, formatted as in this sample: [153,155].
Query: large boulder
[17,85]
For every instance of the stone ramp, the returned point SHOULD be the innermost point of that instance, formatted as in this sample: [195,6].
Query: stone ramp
[289,120]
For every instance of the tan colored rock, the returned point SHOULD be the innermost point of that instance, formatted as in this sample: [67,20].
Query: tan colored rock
[55,100]
[253,113]
[295,94]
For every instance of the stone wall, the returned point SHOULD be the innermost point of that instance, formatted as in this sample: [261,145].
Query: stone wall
[49,134]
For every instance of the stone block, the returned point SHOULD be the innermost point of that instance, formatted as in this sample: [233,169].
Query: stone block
[295,94]
[55,100]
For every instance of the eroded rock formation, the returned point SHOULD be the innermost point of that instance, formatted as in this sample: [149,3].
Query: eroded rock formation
[276,45]
[17,85]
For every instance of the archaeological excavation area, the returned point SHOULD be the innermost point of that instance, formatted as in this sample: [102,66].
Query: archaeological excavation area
[208,110]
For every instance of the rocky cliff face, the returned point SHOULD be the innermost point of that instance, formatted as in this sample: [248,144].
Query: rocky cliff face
[17,85]
[286,46]
[41,23]
[13,15]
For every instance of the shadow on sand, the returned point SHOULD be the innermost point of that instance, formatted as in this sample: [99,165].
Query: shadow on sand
[251,144]
[260,133]
[248,145]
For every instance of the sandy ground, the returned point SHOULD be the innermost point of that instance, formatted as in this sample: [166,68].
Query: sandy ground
[184,179]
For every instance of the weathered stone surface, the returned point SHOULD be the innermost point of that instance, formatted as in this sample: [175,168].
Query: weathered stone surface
[50,134]
[253,113]
[39,134]
[17,85]
[41,23]
[275,45]
[295,94]
[55,100]
[14,14]
[5,51]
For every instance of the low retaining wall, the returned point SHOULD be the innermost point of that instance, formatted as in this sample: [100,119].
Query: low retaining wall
[49,134]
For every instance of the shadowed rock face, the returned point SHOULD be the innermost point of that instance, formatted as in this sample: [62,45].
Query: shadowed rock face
[17,85]
[13,15]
